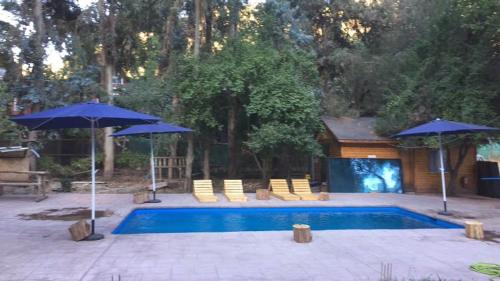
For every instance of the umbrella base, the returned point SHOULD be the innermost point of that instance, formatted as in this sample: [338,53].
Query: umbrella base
[444,213]
[94,237]
[153,201]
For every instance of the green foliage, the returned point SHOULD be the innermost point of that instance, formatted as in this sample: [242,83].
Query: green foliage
[56,170]
[347,45]
[8,129]
[283,107]
[133,160]
[275,90]
[449,72]
[77,167]
[68,173]
[69,87]
[200,94]
[406,62]
[147,91]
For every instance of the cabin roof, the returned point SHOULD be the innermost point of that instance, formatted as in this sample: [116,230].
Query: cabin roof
[360,129]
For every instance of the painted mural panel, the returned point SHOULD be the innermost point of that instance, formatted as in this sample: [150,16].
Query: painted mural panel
[365,175]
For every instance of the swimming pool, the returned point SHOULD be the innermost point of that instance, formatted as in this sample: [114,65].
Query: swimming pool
[179,220]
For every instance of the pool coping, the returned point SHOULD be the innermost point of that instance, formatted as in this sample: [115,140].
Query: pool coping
[435,216]
[432,216]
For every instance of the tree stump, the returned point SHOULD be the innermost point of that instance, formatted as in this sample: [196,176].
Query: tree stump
[79,230]
[262,194]
[324,196]
[141,197]
[474,230]
[302,233]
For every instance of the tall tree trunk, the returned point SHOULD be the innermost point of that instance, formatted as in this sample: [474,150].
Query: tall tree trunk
[463,150]
[264,166]
[168,31]
[109,147]
[107,31]
[234,16]
[232,138]
[201,6]
[38,76]
[166,50]
[267,168]
[197,20]
[286,165]
[189,163]
[172,147]
[208,26]
[206,159]
[39,51]
[232,118]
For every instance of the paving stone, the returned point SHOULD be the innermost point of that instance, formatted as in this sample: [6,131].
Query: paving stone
[41,250]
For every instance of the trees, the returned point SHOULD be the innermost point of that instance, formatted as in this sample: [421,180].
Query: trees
[449,73]
[283,110]
[272,92]
[345,39]
[258,79]
[107,22]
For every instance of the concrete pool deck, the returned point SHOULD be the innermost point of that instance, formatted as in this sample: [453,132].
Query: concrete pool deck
[42,250]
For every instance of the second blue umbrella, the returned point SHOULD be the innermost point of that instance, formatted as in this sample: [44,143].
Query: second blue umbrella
[150,130]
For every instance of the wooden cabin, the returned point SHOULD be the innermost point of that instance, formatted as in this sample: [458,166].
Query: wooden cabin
[356,138]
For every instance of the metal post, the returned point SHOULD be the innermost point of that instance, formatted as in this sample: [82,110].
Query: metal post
[92,133]
[93,235]
[153,176]
[443,180]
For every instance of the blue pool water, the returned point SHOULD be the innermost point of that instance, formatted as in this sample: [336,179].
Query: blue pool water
[178,220]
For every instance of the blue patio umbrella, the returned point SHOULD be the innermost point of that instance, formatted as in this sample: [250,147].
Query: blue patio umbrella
[440,127]
[85,115]
[151,129]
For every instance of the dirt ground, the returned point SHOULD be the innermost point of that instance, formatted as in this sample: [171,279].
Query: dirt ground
[65,214]
[130,181]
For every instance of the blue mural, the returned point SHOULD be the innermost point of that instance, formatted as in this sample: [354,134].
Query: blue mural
[365,175]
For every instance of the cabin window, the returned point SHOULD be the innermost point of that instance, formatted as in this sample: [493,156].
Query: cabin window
[434,161]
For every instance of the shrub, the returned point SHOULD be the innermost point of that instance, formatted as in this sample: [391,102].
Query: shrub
[67,173]
[133,160]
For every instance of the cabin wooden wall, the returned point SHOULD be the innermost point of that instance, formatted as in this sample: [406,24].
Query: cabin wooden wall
[366,150]
[426,181]
[415,163]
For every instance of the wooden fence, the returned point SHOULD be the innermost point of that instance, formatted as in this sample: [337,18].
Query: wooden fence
[171,167]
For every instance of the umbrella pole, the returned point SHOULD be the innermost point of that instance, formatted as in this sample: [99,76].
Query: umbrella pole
[443,180]
[93,236]
[153,176]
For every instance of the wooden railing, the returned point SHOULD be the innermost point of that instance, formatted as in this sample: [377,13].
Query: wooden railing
[172,167]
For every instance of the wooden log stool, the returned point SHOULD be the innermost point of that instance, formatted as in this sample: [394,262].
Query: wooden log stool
[324,196]
[302,233]
[262,194]
[141,197]
[474,230]
[79,230]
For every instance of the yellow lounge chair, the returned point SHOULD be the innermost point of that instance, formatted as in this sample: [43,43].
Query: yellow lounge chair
[302,188]
[233,190]
[279,188]
[203,191]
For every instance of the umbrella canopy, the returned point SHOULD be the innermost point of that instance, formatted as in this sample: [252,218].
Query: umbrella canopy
[150,129]
[85,115]
[158,128]
[444,127]
[80,116]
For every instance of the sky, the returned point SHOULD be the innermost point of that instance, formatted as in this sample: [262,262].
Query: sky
[54,57]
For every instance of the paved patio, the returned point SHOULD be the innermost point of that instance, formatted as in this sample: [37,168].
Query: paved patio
[42,250]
